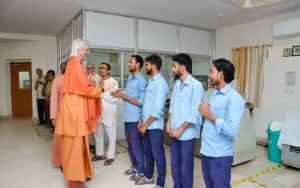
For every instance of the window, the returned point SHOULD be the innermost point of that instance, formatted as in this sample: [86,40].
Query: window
[24,81]
[117,60]
[166,68]
[200,68]
[119,64]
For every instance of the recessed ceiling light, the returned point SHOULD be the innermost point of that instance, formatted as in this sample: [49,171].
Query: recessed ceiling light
[220,15]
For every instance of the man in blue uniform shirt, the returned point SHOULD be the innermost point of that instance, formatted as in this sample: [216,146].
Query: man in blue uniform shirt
[184,121]
[222,116]
[133,100]
[153,123]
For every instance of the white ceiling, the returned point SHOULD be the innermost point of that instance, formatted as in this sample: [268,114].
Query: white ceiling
[48,17]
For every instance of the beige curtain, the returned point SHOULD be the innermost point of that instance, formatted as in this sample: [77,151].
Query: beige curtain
[249,63]
[240,62]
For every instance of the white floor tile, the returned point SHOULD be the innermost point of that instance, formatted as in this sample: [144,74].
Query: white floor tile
[25,162]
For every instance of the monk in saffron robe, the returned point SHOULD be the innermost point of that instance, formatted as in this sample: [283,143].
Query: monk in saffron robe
[79,110]
[56,97]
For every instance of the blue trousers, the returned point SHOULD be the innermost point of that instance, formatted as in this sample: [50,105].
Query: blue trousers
[216,171]
[182,162]
[155,151]
[135,146]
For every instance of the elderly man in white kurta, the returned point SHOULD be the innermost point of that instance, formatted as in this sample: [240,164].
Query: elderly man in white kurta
[108,120]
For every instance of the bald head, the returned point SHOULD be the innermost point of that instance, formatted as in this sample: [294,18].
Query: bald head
[90,69]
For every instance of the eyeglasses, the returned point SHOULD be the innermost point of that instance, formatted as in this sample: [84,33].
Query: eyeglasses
[86,49]
[90,68]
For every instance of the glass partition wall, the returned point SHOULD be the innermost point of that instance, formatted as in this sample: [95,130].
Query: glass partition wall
[115,43]
[119,63]
[117,59]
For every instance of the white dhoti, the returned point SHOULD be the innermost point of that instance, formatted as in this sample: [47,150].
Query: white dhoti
[110,131]
[107,123]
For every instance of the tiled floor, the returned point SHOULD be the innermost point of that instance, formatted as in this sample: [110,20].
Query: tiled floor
[25,162]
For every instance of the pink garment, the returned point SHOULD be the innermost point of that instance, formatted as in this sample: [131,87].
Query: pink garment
[56,97]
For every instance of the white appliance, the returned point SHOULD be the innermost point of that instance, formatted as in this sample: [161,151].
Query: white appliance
[245,142]
[289,140]
[287,28]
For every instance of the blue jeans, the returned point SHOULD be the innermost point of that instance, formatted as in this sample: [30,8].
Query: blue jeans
[155,151]
[216,171]
[135,146]
[182,162]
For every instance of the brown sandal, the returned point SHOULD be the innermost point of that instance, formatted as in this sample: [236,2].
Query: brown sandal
[97,157]
[108,162]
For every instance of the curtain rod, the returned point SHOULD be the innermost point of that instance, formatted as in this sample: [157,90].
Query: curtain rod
[256,46]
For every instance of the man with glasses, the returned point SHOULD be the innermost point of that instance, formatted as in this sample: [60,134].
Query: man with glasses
[94,77]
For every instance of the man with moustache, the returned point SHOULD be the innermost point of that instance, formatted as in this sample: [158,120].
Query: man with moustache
[108,120]
[222,116]
[184,121]
[133,101]
[152,124]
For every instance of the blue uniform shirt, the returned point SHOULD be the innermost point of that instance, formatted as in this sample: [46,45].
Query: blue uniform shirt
[154,102]
[135,88]
[218,138]
[186,98]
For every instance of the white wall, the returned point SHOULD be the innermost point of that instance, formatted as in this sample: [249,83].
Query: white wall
[276,99]
[41,50]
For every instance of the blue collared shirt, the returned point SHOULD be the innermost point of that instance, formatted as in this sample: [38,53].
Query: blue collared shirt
[154,102]
[135,88]
[184,104]
[218,138]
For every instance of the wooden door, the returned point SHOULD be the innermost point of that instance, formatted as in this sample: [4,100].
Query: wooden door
[21,89]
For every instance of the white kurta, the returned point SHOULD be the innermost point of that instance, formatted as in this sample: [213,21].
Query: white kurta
[109,104]
[108,121]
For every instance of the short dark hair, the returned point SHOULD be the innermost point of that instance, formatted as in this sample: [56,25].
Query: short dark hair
[227,67]
[139,60]
[51,72]
[107,65]
[184,59]
[154,60]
